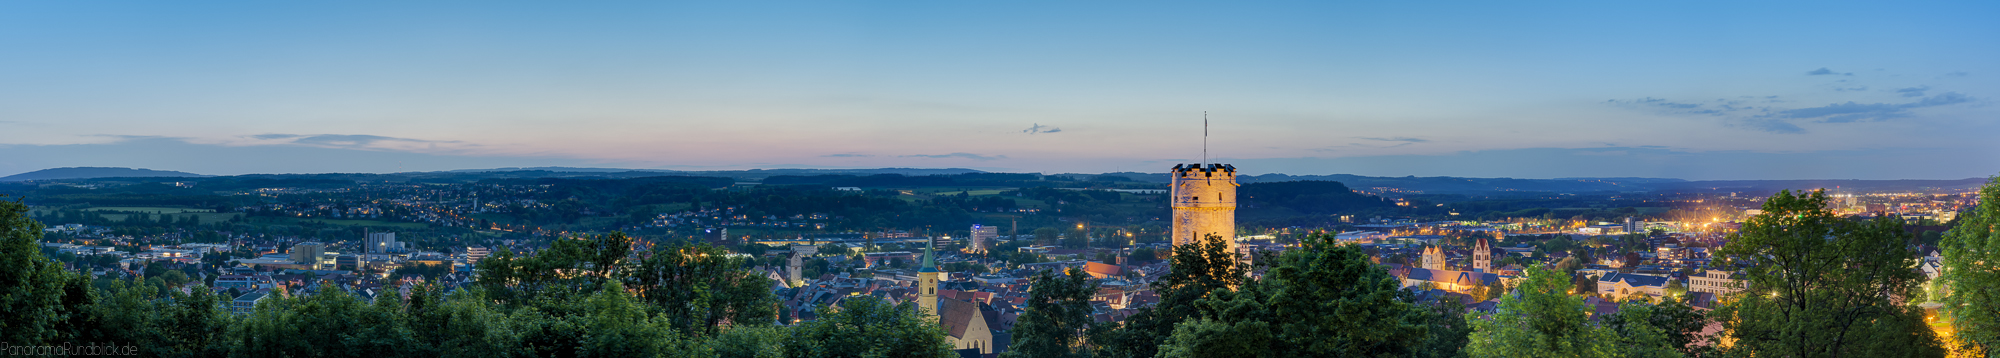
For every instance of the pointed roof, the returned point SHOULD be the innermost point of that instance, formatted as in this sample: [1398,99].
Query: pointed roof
[930,256]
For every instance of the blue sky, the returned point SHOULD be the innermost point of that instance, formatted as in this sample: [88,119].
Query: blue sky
[1696,90]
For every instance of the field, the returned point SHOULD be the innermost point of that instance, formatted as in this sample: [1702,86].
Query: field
[341,222]
[149,210]
[119,213]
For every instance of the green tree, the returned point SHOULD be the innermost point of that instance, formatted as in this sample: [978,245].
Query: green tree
[608,322]
[1448,330]
[1671,319]
[1047,235]
[1541,319]
[618,326]
[194,325]
[751,342]
[459,324]
[1822,286]
[700,288]
[1971,279]
[865,326]
[1324,299]
[127,315]
[570,267]
[330,323]
[1057,320]
[1195,270]
[33,289]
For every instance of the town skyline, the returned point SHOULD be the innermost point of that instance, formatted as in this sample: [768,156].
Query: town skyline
[1690,91]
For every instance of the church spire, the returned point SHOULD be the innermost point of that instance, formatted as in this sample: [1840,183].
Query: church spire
[930,254]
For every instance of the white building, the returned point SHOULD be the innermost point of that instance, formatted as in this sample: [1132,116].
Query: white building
[982,237]
[1717,282]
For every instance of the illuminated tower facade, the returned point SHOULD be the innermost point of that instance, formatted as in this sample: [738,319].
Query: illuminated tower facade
[1204,201]
[927,283]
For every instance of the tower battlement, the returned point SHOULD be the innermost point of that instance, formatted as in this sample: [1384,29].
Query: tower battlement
[1196,169]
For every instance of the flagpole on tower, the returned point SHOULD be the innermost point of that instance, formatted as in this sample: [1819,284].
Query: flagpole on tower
[1204,137]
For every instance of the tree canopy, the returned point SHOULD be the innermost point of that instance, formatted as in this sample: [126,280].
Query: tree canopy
[1823,286]
[1971,278]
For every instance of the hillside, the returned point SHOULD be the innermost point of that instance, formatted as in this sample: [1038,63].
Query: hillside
[96,172]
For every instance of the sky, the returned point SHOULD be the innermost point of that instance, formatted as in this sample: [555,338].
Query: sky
[1683,89]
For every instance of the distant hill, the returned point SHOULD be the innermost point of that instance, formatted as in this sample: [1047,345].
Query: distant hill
[558,170]
[747,174]
[97,172]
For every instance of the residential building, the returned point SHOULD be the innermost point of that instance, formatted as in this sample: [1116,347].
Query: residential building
[1621,285]
[247,303]
[1717,282]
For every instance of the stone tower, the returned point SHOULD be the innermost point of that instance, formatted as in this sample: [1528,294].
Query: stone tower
[796,266]
[927,283]
[1482,256]
[1204,201]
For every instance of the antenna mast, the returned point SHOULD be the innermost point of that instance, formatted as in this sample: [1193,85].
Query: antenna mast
[1204,137]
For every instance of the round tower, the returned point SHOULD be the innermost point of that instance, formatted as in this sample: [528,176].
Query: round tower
[1204,201]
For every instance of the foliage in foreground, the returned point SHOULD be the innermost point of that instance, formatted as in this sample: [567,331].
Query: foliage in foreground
[1541,319]
[1972,275]
[1824,286]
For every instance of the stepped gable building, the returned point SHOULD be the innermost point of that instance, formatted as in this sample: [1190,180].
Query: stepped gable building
[1204,202]
[1433,258]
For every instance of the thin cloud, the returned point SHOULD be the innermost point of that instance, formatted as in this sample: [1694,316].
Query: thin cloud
[1718,107]
[1855,112]
[1769,125]
[1396,139]
[1822,71]
[1039,128]
[1917,91]
[1738,113]
[956,155]
[354,140]
[123,137]
[847,155]
[275,136]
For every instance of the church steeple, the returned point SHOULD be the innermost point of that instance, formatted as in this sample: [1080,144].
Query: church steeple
[930,255]
[927,281]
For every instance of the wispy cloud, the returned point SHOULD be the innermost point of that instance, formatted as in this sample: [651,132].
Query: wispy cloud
[1917,91]
[956,155]
[847,155]
[358,141]
[1769,125]
[354,140]
[1855,112]
[1766,118]
[1039,128]
[1823,71]
[1396,139]
[124,137]
[1718,107]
